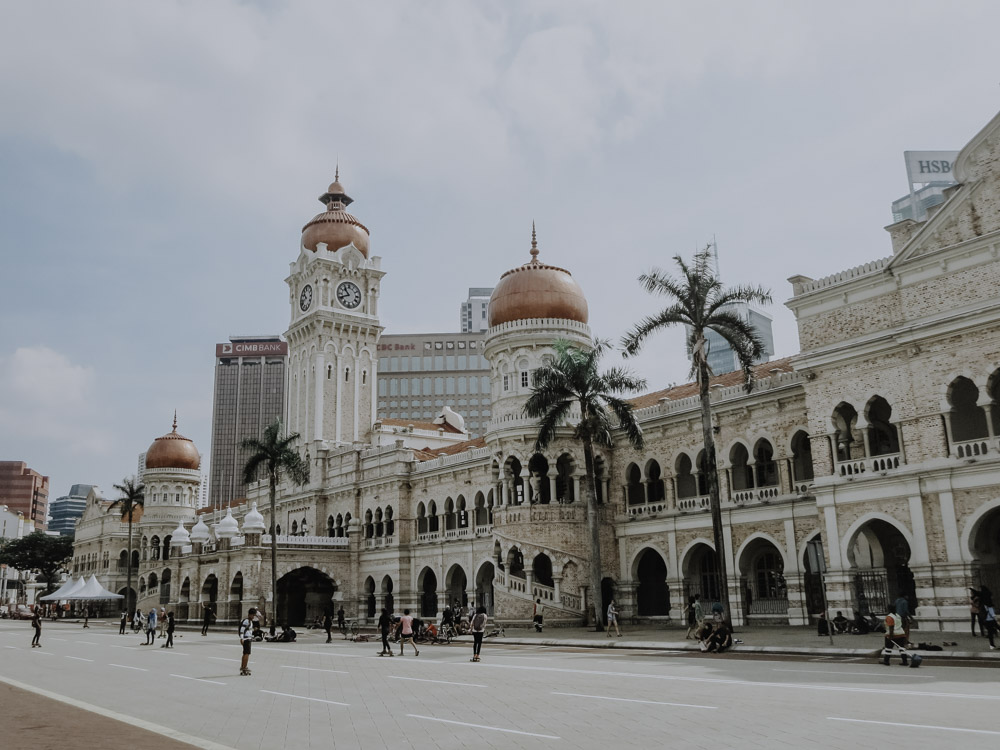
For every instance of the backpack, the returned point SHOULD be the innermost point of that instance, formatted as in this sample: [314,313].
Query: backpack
[479,622]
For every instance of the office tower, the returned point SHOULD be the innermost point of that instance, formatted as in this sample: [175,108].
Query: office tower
[475,309]
[420,373]
[249,395]
[66,510]
[25,491]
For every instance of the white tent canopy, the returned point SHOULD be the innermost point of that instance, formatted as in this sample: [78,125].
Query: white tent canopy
[81,589]
[93,590]
[64,591]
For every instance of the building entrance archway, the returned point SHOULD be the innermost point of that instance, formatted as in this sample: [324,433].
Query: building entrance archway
[985,545]
[303,595]
[701,576]
[879,556]
[484,587]
[427,583]
[652,593]
[456,584]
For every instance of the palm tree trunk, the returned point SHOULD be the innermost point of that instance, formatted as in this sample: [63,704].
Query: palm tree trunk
[594,528]
[274,547]
[714,500]
[128,569]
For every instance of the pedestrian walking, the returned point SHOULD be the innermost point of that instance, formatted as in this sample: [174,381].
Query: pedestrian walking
[36,623]
[406,633]
[478,631]
[151,628]
[991,625]
[985,601]
[328,625]
[688,614]
[169,627]
[613,618]
[903,610]
[698,611]
[86,617]
[974,610]
[162,620]
[137,620]
[124,623]
[538,616]
[246,640]
[207,615]
[341,625]
[384,626]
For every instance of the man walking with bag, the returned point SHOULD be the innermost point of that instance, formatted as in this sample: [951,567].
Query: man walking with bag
[246,639]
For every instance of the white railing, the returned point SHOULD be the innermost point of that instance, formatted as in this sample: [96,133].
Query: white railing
[378,542]
[485,530]
[693,503]
[428,536]
[646,509]
[459,533]
[306,541]
[973,448]
[756,495]
[869,466]
[571,601]
[543,592]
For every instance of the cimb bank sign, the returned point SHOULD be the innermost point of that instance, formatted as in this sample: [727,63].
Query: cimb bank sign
[252,349]
[930,166]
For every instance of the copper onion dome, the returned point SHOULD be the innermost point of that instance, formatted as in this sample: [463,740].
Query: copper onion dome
[172,451]
[335,226]
[537,290]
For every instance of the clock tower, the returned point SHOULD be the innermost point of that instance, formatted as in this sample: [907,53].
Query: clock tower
[334,330]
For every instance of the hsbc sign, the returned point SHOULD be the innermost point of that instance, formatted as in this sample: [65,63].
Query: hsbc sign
[252,349]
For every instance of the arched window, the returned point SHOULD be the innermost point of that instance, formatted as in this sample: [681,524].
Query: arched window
[802,466]
[765,468]
[340,525]
[741,473]
[331,527]
[421,519]
[634,494]
[845,417]
[154,548]
[968,420]
[687,486]
[654,482]
[369,525]
[390,524]
[882,436]
[295,528]
[433,522]
[347,525]
[450,519]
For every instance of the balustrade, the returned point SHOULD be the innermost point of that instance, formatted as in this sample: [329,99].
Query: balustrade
[870,465]
[967,449]
[693,503]
[284,540]
[646,509]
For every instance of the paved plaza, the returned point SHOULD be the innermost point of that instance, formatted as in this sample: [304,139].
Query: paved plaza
[316,695]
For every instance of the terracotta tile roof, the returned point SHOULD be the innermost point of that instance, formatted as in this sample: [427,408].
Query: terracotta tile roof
[761,371]
[211,509]
[421,425]
[426,454]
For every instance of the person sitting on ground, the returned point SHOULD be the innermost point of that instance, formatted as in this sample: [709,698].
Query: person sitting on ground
[822,625]
[840,623]
[859,626]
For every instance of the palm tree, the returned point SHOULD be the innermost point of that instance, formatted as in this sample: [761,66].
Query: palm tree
[571,382]
[699,302]
[132,497]
[275,454]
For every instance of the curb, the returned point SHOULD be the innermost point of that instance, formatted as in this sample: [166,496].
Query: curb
[739,648]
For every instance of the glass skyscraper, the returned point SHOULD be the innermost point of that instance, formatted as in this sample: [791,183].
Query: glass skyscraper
[249,395]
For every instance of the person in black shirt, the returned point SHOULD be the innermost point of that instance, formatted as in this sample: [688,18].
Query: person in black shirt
[384,625]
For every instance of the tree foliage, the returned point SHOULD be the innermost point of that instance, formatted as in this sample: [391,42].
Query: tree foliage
[48,555]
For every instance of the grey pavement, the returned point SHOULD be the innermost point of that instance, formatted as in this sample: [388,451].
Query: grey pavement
[316,695]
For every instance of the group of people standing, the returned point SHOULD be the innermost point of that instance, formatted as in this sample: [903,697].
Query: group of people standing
[148,624]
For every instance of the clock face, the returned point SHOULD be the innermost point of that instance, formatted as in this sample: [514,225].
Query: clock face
[348,294]
[306,298]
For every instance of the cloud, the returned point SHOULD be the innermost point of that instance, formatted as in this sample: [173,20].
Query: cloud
[49,397]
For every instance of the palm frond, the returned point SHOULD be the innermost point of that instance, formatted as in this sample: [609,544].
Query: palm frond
[633,340]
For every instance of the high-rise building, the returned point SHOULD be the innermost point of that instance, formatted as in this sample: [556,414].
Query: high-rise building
[66,510]
[475,309]
[419,373]
[926,197]
[249,395]
[721,357]
[24,491]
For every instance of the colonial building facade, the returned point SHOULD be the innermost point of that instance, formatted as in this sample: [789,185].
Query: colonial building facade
[880,439]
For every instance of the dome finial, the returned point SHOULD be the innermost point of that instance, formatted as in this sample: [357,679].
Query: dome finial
[175,420]
[336,171]
[534,244]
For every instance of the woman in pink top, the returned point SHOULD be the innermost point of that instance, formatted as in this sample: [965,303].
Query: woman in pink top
[406,633]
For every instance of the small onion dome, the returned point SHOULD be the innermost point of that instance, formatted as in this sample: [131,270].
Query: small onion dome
[200,533]
[172,451]
[180,536]
[253,522]
[227,528]
[335,226]
[537,290]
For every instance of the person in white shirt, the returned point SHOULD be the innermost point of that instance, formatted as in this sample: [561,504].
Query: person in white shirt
[246,639]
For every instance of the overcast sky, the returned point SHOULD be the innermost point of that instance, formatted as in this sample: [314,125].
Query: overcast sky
[158,162]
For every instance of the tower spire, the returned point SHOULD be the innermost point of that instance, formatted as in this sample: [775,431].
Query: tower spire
[175,420]
[534,244]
